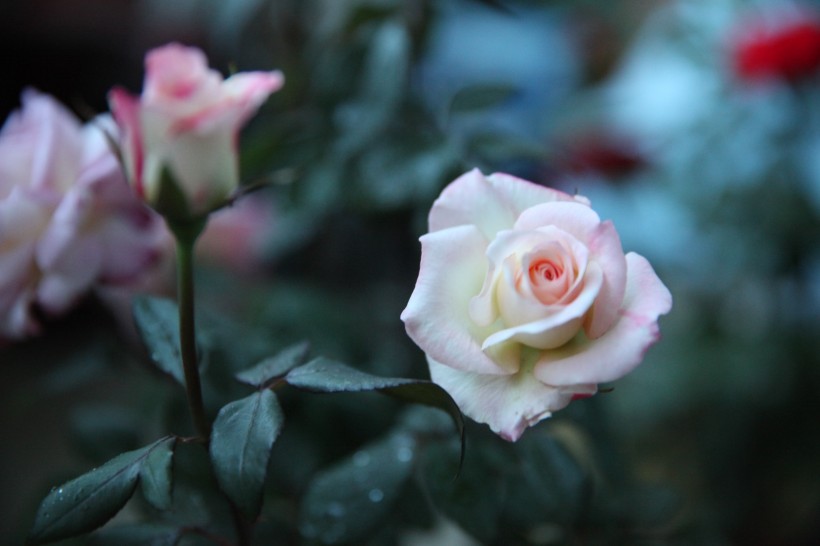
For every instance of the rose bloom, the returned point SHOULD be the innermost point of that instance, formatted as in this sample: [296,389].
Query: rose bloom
[525,300]
[68,220]
[781,45]
[186,124]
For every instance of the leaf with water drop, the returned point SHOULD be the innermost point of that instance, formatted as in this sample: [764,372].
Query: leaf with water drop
[87,502]
[155,475]
[275,366]
[157,320]
[243,435]
[347,500]
[325,375]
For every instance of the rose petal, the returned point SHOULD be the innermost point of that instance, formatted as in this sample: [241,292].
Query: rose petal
[510,246]
[68,279]
[126,111]
[178,76]
[205,166]
[242,94]
[556,329]
[620,349]
[605,248]
[508,404]
[492,203]
[436,316]
[57,133]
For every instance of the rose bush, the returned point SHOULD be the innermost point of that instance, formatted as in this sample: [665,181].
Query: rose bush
[185,124]
[525,300]
[68,220]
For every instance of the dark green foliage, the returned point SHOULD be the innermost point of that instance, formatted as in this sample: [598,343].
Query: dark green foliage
[323,375]
[243,434]
[158,323]
[86,502]
[347,501]
[275,366]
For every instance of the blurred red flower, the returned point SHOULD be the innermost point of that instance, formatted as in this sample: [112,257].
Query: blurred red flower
[784,48]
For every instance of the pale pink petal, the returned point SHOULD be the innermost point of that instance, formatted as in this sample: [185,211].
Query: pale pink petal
[620,349]
[572,217]
[520,194]
[605,248]
[57,133]
[68,279]
[491,203]
[436,317]
[241,96]
[126,111]
[16,319]
[558,327]
[508,403]
[205,166]
[175,73]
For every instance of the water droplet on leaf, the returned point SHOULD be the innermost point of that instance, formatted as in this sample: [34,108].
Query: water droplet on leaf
[404,454]
[361,458]
[375,495]
[335,509]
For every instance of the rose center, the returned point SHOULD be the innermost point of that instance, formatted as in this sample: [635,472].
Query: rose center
[546,270]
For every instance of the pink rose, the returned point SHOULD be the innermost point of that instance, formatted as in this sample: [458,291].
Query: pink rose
[525,300]
[68,220]
[186,124]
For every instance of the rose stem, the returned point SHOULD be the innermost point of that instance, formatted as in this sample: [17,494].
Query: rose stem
[186,238]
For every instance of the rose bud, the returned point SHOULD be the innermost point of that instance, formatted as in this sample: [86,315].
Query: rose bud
[180,136]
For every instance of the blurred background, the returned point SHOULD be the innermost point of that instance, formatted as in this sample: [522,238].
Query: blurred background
[693,124]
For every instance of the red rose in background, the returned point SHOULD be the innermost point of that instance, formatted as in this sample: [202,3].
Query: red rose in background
[785,47]
[599,152]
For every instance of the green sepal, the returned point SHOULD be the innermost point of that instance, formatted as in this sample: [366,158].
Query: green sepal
[170,201]
[87,502]
[241,441]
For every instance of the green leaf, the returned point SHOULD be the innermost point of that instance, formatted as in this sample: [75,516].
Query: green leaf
[275,366]
[243,434]
[158,322]
[347,500]
[479,97]
[137,535]
[558,481]
[324,375]
[155,475]
[475,499]
[86,502]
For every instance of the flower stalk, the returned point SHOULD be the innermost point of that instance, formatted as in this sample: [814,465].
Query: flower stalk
[186,236]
